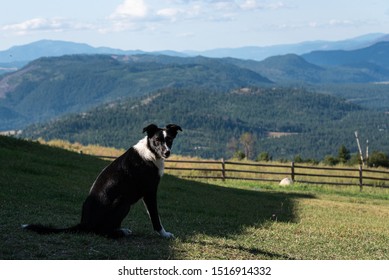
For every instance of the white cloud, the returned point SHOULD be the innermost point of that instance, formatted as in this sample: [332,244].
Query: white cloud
[337,22]
[144,11]
[131,9]
[249,4]
[44,24]
[260,5]
[33,24]
[168,12]
[135,15]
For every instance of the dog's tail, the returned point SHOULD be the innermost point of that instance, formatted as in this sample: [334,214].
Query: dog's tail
[41,229]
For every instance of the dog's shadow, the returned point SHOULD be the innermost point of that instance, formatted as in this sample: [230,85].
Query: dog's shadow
[190,208]
[196,207]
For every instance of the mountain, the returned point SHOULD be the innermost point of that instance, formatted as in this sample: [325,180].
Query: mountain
[370,64]
[289,68]
[18,56]
[366,65]
[53,86]
[260,53]
[50,87]
[213,122]
[21,55]
[377,54]
[47,48]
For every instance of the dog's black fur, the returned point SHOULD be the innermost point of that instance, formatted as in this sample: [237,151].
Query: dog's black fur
[133,176]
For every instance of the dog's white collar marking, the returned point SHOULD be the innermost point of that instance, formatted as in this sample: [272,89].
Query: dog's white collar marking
[142,148]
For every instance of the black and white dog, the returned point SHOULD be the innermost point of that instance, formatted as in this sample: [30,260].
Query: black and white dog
[133,176]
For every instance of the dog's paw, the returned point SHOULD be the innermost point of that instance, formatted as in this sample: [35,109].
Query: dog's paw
[165,234]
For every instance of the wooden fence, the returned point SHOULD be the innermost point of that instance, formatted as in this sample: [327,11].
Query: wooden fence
[271,172]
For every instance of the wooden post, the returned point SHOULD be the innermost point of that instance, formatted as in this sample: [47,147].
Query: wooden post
[223,169]
[360,178]
[292,171]
[359,148]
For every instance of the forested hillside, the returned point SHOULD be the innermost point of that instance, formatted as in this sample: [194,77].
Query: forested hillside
[313,125]
[224,105]
[51,87]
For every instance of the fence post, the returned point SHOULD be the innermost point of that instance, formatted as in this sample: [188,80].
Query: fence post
[292,172]
[360,178]
[223,169]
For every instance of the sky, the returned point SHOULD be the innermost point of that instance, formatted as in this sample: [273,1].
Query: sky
[182,25]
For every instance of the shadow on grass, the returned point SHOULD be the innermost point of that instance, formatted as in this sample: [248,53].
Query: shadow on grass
[196,207]
[191,208]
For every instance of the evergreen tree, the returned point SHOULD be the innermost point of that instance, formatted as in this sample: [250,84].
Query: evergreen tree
[343,154]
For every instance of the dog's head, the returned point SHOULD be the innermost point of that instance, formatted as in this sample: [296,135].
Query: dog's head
[160,140]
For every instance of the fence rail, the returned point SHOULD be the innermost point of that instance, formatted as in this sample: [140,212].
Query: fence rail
[231,170]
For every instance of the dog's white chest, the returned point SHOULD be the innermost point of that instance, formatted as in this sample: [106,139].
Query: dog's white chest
[145,153]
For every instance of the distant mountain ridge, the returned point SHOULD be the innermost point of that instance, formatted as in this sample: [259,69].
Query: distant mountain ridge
[45,48]
[18,56]
[366,65]
[260,53]
[376,54]
[48,48]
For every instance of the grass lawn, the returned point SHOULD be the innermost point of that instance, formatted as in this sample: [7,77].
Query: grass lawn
[211,220]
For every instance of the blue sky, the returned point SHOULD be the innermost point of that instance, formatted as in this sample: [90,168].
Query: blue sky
[189,24]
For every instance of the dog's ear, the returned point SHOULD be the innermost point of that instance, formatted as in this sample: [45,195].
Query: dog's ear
[151,129]
[173,129]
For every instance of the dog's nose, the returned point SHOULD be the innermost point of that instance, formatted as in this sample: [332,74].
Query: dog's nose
[167,154]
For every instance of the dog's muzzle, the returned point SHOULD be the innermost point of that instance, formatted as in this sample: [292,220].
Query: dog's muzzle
[166,154]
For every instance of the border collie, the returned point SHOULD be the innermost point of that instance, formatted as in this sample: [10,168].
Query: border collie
[133,176]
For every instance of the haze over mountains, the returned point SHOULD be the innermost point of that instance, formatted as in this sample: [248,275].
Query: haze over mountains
[108,85]
[19,55]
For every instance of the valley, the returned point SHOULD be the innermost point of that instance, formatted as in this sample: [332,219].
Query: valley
[291,105]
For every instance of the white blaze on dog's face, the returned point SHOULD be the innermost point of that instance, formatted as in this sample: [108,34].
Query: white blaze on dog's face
[159,140]
[161,143]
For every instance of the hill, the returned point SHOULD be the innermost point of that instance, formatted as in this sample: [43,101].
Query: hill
[376,54]
[214,121]
[54,86]
[289,68]
[214,220]
[366,65]
[259,53]
[23,54]
[370,64]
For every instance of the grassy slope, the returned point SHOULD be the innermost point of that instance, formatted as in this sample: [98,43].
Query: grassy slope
[211,220]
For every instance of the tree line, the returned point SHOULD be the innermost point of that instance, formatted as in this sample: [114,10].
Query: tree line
[244,148]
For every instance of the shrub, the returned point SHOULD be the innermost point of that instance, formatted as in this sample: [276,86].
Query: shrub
[378,159]
[330,160]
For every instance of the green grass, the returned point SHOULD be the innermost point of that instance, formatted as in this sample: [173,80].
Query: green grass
[211,219]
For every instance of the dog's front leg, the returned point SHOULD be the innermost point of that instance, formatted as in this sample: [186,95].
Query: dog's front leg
[151,206]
